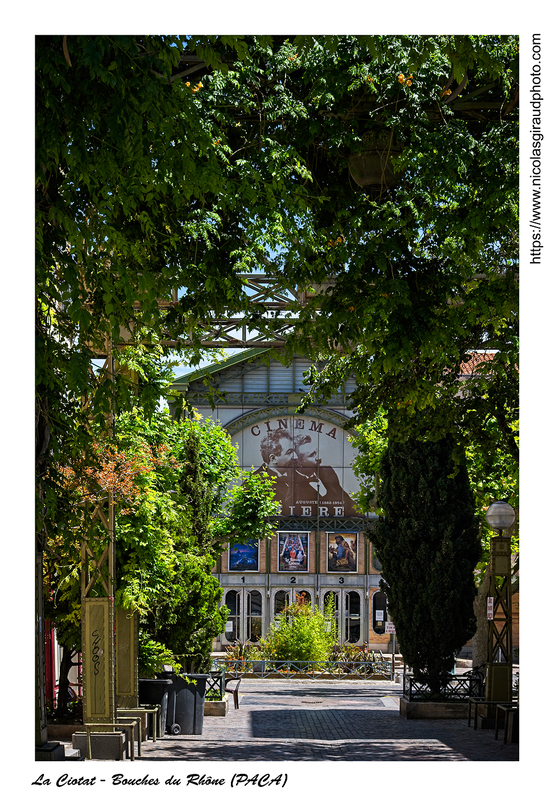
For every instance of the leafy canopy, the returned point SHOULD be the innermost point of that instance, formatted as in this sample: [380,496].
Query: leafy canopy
[160,176]
[413,273]
[178,500]
[130,190]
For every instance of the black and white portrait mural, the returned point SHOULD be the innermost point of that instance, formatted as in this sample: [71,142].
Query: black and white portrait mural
[310,461]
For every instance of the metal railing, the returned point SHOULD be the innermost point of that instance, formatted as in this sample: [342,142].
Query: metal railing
[337,670]
[458,688]
[215,684]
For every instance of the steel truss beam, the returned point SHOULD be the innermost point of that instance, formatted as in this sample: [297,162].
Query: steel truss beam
[269,321]
[272,313]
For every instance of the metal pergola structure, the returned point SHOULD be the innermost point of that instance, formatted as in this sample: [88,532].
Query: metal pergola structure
[273,310]
[500,648]
[111,679]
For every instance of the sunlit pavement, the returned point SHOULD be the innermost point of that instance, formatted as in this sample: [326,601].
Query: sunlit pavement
[330,720]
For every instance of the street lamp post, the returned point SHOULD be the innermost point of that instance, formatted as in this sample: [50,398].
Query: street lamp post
[500,516]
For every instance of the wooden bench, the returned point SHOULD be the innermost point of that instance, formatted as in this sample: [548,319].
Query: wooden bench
[144,711]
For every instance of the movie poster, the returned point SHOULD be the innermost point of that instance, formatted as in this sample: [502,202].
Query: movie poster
[293,552]
[244,556]
[342,552]
[310,461]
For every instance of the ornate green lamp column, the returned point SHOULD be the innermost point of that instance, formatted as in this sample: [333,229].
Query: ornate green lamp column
[500,516]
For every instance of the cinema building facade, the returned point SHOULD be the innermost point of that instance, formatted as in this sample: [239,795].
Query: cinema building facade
[319,549]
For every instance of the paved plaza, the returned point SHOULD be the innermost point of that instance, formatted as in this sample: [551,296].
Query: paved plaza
[285,720]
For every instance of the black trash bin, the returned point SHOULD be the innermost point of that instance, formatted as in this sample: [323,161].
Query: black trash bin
[185,704]
[155,692]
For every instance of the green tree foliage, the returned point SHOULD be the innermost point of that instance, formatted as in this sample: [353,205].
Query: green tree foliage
[419,269]
[428,544]
[302,633]
[179,502]
[214,511]
[101,132]
[493,475]
[159,176]
[131,190]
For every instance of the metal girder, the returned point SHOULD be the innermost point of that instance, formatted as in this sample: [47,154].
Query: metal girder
[272,313]
[97,566]
[266,290]
[97,621]
[126,658]
[234,333]
[500,629]
[269,321]
[273,310]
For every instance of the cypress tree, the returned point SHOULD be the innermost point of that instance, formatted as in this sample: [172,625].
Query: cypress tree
[428,544]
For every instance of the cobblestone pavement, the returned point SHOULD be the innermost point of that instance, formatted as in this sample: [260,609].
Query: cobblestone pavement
[329,720]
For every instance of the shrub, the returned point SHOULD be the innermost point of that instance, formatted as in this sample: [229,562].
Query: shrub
[242,652]
[351,653]
[153,656]
[302,634]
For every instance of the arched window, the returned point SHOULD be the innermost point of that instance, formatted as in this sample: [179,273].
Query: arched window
[254,615]
[376,563]
[352,617]
[327,597]
[379,612]
[232,601]
[282,600]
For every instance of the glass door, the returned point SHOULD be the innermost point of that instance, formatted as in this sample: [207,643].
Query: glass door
[348,612]
[254,615]
[352,617]
[245,620]
[232,625]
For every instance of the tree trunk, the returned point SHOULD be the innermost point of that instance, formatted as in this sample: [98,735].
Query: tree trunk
[480,640]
